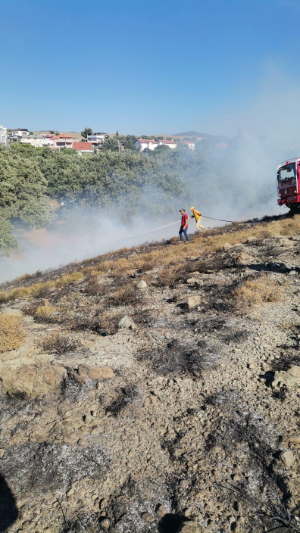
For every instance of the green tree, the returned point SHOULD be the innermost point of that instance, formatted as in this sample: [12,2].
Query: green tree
[162,148]
[8,242]
[86,132]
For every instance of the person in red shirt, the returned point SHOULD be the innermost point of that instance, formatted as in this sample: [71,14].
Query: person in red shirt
[184,225]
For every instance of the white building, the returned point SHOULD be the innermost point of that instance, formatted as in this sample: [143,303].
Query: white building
[63,141]
[171,144]
[142,144]
[38,142]
[96,138]
[3,135]
[19,133]
[190,144]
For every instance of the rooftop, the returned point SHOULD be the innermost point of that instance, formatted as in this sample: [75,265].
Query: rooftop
[147,141]
[83,146]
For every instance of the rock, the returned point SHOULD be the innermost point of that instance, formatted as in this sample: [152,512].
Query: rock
[293,273]
[191,526]
[227,246]
[191,281]
[195,282]
[243,259]
[105,522]
[127,323]
[2,452]
[289,378]
[146,517]
[293,439]
[251,240]
[142,285]
[193,301]
[31,379]
[287,458]
[11,312]
[95,372]
[160,511]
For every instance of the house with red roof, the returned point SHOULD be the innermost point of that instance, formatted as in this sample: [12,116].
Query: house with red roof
[189,144]
[171,144]
[63,141]
[142,144]
[83,147]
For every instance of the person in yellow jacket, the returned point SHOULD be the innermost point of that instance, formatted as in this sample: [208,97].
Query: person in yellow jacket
[197,216]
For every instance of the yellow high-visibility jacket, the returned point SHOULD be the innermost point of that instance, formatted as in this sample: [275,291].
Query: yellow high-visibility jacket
[197,215]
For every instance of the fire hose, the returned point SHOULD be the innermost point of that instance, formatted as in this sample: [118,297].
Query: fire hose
[162,227]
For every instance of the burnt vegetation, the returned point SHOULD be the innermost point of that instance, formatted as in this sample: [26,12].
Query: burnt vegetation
[216,437]
[127,395]
[60,343]
[178,358]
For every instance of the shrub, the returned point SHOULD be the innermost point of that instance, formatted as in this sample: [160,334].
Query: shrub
[258,291]
[124,296]
[59,343]
[11,332]
[44,312]
[166,278]
[4,296]
[93,287]
[69,278]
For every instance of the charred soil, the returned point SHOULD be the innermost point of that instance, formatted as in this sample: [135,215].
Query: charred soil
[165,406]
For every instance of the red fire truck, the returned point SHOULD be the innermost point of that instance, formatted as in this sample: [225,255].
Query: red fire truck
[288,184]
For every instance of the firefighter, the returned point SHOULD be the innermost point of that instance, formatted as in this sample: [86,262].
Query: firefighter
[184,225]
[197,216]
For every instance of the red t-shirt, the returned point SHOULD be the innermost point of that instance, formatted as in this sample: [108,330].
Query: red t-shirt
[184,220]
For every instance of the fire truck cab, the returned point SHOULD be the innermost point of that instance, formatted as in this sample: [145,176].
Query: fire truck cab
[288,183]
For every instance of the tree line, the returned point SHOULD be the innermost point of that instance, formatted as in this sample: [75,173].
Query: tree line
[32,180]
[35,181]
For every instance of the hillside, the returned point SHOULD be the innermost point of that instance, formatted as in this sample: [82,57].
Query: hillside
[156,388]
[199,135]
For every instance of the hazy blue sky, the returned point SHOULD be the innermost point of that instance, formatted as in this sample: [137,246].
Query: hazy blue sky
[141,66]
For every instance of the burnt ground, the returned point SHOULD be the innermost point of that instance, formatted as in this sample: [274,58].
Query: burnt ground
[189,431]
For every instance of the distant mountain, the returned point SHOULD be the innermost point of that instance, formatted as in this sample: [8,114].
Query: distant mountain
[202,135]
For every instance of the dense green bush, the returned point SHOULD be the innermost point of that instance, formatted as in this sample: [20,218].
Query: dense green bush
[129,181]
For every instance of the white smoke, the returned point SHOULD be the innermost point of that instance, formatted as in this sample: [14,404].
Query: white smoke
[245,174]
[50,248]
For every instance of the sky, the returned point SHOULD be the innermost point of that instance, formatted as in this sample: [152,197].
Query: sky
[144,67]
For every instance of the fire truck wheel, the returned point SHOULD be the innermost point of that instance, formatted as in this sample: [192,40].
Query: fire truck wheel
[295,208]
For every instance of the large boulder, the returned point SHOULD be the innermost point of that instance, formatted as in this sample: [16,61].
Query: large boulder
[95,372]
[288,458]
[142,285]
[34,379]
[289,378]
[127,323]
[194,301]
[191,527]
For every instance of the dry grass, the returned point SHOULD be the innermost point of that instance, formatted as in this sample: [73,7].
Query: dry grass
[166,278]
[11,332]
[163,256]
[69,278]
[40,288]
[44,313]
[103,323]
[258,291]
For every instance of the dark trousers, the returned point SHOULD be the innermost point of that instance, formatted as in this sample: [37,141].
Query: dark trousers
[183,231]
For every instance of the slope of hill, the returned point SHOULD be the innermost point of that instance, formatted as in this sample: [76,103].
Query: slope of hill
[155,388]
[201,135]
